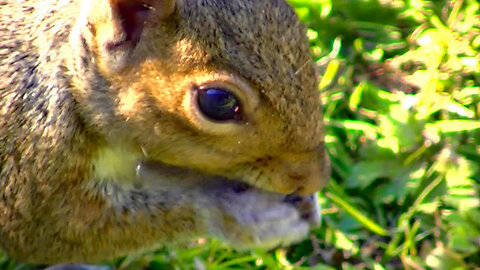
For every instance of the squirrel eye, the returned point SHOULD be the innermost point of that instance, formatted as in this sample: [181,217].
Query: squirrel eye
[218,104]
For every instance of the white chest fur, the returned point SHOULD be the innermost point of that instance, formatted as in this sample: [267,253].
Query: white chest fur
[116,163]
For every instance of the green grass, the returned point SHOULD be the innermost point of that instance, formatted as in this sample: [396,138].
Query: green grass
[400,84]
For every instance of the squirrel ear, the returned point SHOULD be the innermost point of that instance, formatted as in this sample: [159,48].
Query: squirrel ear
[132,15]
[117,25]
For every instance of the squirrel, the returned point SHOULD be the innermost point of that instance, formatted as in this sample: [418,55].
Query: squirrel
[129,124]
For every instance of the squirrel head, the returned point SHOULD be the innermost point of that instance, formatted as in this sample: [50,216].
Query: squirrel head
[219,86]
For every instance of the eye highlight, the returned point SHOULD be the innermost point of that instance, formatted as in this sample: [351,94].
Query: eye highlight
[218,104]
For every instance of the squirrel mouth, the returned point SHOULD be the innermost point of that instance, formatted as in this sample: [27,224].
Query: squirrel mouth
[152,174]
[308,207]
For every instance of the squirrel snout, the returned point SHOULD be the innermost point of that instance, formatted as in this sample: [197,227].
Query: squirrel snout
[306,184]
[304,173]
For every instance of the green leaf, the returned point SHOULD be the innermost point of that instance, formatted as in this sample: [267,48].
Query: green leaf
[365,172]
[448,126]
[403,184]
[461,233]
[443,258]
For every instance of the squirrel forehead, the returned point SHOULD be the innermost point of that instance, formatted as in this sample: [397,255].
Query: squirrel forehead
[255,38]
[264,42]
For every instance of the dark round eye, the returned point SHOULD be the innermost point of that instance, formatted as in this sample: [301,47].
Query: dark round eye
[218,104]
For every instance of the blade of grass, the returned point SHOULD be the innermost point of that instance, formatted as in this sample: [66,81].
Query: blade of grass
[447,126]
[235,261]
[356,214]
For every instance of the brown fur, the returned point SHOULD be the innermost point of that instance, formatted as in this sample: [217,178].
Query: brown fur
[80,88]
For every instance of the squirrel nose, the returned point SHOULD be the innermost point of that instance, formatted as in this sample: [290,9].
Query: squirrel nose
[304,173]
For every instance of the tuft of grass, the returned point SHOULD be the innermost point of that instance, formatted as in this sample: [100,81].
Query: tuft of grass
[400,84]
[401,90]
